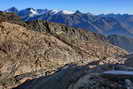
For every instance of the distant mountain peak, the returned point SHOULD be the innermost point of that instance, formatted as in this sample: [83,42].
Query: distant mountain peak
[12,9]
[78,12]
[33,12]
[28,11]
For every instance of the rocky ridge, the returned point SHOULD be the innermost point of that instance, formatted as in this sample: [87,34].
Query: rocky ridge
[33,49]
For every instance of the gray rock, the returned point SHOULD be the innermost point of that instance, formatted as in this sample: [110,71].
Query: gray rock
[129,84]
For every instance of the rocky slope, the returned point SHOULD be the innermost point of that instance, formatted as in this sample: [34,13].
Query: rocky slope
[38,48]
[104,24]
[82,77]
[89,42]
[118,24]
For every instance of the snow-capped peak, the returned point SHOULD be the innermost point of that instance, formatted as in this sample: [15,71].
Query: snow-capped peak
[61,12]
[33,12]
[67,12]
[28,12]
[54,11]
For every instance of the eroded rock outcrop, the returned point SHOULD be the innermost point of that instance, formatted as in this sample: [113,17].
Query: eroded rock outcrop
[90,43]
[27,52]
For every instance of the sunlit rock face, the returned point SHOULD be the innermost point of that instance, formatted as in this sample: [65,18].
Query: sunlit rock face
[39,48]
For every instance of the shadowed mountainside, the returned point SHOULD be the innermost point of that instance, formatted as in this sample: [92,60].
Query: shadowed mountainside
[81,77]
[122,41]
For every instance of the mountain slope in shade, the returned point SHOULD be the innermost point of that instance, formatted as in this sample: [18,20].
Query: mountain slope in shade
[122,41]
[38,48]
[125,19]
[81,77]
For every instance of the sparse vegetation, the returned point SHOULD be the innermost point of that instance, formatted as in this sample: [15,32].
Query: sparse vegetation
[24,49]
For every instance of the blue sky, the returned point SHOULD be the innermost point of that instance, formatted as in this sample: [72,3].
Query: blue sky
[93,6]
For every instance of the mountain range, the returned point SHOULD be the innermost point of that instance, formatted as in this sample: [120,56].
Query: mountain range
[109,24]
[104,24]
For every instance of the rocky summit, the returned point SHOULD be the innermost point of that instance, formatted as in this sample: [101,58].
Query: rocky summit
[44,55]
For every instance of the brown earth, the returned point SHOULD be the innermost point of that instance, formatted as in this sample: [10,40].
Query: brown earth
[39,48]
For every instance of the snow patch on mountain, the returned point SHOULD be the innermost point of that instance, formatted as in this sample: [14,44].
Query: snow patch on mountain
[53,11]
[33,12]
[67,12]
